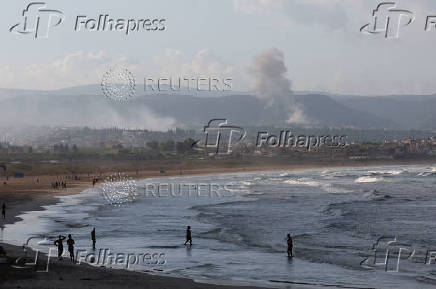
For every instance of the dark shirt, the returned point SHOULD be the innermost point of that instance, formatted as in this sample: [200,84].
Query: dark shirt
[289,240]
[70,243]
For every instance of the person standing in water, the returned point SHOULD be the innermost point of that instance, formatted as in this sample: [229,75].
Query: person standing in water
[70,243]
[188,236]
[93,238]
[59,243]
[290,245]
[4,211]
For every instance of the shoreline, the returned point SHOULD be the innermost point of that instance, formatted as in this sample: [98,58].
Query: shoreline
[34,200]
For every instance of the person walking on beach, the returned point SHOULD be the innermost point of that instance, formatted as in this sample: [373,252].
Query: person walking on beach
[4,211]
[93,238]
[59,243]
[70,243]
[290,245]
[188,236]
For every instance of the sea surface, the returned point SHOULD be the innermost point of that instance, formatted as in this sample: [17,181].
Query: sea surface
[353,227]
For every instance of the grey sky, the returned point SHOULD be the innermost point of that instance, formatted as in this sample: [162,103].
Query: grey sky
[320,40]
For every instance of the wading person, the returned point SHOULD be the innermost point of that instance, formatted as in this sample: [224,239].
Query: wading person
[290,245]
[70,243]
[188,236]
[59,243]
[4,211]
[93,238]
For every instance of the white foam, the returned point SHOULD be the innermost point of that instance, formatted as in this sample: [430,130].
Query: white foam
[368,179]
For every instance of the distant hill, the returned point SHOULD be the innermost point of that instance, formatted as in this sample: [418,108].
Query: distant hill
[86,106]
[407,111]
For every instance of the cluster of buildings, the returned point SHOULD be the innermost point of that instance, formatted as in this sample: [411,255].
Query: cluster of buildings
[71,140]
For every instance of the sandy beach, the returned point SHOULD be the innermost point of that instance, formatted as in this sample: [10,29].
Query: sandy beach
[32,192]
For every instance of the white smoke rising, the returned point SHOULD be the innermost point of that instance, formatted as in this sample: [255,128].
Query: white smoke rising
[272,85]
[298,116]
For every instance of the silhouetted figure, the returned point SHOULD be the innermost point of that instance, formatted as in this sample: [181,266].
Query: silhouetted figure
[93,238]
[59,243]
[4,211]
[290,245]
[188,236]
[70,243]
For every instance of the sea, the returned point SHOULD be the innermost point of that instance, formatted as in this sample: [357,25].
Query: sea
[352,227]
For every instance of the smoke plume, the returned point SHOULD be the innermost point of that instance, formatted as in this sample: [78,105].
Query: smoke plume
[272,85]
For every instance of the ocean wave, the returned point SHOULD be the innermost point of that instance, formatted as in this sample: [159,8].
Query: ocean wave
[388,173]
[336,190]
[285,174]
[367,179]
[375,195]
[338,174]
[427,174]
[327,187]
[303,182]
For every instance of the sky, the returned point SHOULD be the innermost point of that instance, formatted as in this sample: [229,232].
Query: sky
[318,41]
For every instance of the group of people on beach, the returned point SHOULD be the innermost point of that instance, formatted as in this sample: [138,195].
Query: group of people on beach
[289,241]
[59,185]
[70,243]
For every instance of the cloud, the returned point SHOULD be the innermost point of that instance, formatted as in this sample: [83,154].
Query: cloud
[75,68]
[80,68]
[203,63]
[258,6]
[329,14]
